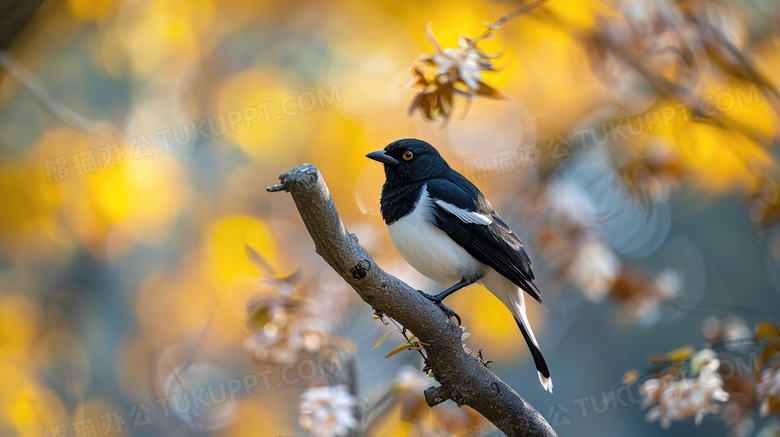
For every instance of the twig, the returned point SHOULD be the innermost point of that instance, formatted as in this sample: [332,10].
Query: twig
[527,8]
[408,340]
[462,377]
[40,90]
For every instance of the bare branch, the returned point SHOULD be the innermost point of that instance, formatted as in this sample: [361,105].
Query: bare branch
[462,377]
[14,17]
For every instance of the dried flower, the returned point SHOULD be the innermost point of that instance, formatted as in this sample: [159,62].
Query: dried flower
[463,64]
[569,204]
[440,75]
[288,343]
[284,332]
[594,269]
[675,395]
[679,399]
[444,73]
[701,359]
[769,391]
[650,174]
[639,297]
[742,401]
[286,328]
[731,332]
[571,239]
[327,411]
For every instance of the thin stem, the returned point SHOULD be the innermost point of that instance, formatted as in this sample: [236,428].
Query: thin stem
[733,342]
[375,411]
[527,8]
[40,90]
[514,14]
[403,332]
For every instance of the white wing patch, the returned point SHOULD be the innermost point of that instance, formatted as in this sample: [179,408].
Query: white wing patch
[464,215]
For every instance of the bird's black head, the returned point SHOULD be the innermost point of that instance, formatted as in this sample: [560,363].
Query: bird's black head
[410,160]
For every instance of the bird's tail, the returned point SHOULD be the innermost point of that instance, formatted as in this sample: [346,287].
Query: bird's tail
[518,310]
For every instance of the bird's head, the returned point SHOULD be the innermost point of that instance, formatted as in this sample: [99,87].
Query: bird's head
[410,160]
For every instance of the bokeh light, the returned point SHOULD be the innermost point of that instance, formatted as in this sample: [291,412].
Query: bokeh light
[631,145]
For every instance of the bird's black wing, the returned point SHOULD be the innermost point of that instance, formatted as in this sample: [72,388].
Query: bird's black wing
[465,215]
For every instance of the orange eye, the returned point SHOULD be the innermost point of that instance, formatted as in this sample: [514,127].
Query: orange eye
[408,155]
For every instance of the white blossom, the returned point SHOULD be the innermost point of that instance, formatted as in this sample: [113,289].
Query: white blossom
[466,63]
[594,269]
[327,411]
[288,343]
[669,283]
[569,202]
[686,397]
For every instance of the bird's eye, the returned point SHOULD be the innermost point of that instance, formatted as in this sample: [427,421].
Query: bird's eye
[408,155]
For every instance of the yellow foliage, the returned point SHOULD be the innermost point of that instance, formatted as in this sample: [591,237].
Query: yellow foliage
[226,256]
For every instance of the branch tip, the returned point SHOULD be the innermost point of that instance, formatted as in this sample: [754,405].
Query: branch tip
[276,188]
[435,395]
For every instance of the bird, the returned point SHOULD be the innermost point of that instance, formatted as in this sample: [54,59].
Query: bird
[446,229]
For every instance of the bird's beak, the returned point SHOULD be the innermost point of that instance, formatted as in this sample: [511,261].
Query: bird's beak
[382,157]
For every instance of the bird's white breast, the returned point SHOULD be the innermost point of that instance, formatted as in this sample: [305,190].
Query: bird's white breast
[428,249]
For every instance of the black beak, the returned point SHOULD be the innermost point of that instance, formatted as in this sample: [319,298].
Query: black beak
[382,157]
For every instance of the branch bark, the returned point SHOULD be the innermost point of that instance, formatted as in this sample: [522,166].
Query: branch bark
[14,16]
[462,377]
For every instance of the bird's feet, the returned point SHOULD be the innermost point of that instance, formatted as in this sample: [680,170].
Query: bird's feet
[447,312]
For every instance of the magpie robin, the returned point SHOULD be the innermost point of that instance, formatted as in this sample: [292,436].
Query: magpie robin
[447,230]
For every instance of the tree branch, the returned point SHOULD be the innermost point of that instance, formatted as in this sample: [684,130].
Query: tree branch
[14,17]
[462,377]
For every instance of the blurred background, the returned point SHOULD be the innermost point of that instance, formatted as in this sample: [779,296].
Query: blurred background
[150,286]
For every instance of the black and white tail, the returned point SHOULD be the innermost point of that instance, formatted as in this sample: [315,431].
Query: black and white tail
[536,353]
[518,310]
[513,298]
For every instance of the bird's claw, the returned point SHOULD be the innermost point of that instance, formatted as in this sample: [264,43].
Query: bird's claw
[447,312]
